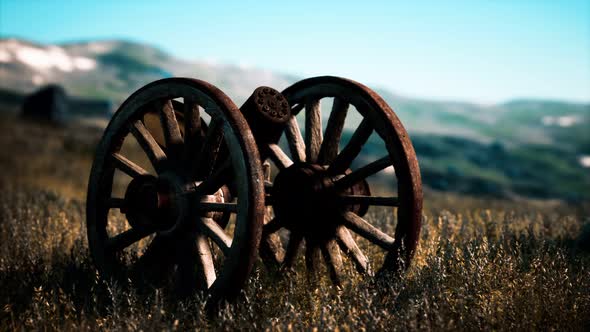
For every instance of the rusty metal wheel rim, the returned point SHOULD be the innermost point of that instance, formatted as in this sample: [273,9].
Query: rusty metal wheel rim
[189,167]
[377,116]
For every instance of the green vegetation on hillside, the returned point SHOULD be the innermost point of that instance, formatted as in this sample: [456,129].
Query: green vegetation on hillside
[460,165]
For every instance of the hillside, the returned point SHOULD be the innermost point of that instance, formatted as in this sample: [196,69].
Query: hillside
[113,69]
[530,148]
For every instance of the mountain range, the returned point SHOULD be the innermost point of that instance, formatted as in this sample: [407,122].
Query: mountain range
[533,148]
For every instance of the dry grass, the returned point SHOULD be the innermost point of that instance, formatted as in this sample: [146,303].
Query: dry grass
[481,264]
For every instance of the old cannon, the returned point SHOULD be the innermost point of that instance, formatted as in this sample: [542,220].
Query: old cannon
[223,182]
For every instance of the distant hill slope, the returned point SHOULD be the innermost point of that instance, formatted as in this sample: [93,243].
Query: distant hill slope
[114,69]
[528,147]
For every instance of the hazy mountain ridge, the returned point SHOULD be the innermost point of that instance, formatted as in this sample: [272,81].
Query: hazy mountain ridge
[528,147]
[113,69]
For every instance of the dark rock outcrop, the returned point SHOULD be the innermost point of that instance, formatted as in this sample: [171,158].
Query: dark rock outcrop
[50,104]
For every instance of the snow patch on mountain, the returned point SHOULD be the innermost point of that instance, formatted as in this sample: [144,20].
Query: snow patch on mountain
[44,58]
[561,121]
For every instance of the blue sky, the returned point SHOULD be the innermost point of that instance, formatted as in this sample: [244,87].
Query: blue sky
[482,51]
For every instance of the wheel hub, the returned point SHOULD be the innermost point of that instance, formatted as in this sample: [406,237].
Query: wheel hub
[162,204]
[307,202]
[148,205]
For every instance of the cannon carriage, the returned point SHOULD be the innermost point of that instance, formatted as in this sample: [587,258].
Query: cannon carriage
[279,177]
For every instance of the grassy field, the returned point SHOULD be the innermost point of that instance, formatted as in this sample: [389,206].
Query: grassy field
[481,264]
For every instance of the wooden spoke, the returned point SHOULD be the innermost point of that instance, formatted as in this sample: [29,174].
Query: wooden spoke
[218,207]
[125,239]
[278,157]
[170,125]
[215,181]
[352,149]
[333,260]
[272,226]
[366,230]
[193,134]
[271,249]
[266,170]
[369,200]
[127,166]
[331,143]
[313,130]
[295,140]
[156,262]
[149,145]
[210,148]
[205,265]
[267,185]
[362,173]
[349,246]
[295,240]
[116,203]
[297,108]
[187,256]
[217,234]
[157,249]
[312,257]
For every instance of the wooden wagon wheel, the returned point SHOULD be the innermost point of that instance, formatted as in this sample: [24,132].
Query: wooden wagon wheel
[320,200]
[183,205]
